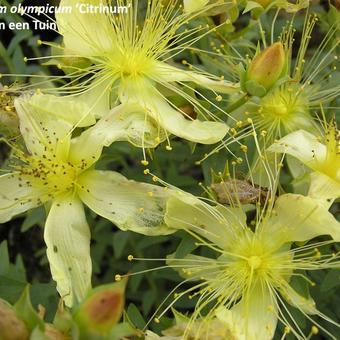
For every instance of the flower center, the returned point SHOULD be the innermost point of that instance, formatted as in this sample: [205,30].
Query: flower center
[254,262]
[285,107]
[52,175]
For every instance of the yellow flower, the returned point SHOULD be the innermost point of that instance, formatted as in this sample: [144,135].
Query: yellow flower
[130,64]
[59,169]
[323,157]
[220,327]
[256,266]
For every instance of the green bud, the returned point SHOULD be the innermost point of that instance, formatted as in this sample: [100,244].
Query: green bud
[101,309]
[11,327]
[52,333]
[9,121]
[263,3]
[265,69]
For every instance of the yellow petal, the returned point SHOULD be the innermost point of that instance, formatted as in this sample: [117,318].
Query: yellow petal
[302,145]
[256,314]
[44,134]
[169,118]
[164,73]
[218,225]
[324,188]
[18,196]
[297,218]
[85,34]
[130,205]
[67,237]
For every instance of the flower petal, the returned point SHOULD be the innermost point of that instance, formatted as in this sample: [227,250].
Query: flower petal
[306,305]
[324,188]
[124,123]
[18,195]
[256,314]
[68,109]
[165,73]
[297,218]
[67,237]
[128,204]
[302,145]
[44,134]
[170,119]
[218,225]
[77,29]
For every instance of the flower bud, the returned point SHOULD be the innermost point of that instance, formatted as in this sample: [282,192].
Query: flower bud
[265,69]
[263,3]
[52,333]
[9,121]
[11,327]
[191,6]
[102,308]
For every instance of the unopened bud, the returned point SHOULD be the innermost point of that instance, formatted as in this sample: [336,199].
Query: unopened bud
[191,6]
[9,121]
[53,333]
[101,309]
[263,3]
[265,69]
[11,327]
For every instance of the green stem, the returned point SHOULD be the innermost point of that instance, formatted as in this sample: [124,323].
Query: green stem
[232,107]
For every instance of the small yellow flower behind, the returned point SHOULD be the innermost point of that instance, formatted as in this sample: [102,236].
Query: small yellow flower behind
[322,156]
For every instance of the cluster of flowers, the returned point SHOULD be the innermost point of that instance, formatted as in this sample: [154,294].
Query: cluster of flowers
[119,77]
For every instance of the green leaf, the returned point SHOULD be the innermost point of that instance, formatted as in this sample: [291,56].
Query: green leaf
[331,280]
[255,89]
[135,316]
[34,217]
[26,312]
[4,258]
[121,331]
[120,239]
[186,246]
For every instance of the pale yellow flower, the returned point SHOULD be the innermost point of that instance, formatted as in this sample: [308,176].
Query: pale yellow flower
[59,169]
[321,156]
[129,62]
[257,266]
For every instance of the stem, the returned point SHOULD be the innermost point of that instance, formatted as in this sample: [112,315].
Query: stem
[238,103]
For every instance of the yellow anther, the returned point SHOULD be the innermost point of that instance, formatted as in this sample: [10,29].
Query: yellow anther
[130,257]
[244,148]
[233,131]
[144,162]
[219,98]
[315,330]
[118,277]
[146,171]
[168,147]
